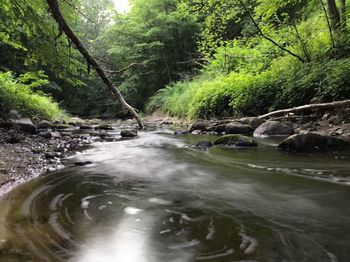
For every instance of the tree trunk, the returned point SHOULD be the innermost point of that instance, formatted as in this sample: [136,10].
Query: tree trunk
[333,16]
[344,103]
[343,13]
[57,15]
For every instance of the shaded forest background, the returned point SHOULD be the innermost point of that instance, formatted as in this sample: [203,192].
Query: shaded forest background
[186,58]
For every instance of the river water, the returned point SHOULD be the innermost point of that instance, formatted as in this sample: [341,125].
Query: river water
[156,199]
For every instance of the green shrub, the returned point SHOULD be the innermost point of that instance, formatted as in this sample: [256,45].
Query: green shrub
[286,83]
[15,94]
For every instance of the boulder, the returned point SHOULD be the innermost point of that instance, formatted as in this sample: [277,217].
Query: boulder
[103,127]
[204,144]
[25,125]
[273,128]
[128,133]
[44,124]
[238,128]
[235,141]
[313,142]
[202,126]
[13,114]
[218,128]
[254,122]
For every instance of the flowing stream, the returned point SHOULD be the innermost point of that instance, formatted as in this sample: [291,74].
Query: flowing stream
[154,198]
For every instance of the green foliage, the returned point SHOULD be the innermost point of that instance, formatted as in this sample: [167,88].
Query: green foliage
[285,84]
[14,94]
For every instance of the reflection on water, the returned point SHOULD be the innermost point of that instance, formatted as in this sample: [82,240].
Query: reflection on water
[154,198]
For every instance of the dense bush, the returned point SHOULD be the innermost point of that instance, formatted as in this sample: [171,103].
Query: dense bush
[285,84]
[17,93]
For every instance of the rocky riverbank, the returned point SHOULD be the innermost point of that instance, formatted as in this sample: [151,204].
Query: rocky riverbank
[326,132]
[28,150]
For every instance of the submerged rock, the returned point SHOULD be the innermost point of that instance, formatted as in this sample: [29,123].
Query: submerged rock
[204,144]
[238,128]
[273,128]
[235,141]
[313,142]
[196,132]
[128,133]
[181,132]
[83,163]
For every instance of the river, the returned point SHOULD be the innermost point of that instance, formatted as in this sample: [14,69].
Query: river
[154,198]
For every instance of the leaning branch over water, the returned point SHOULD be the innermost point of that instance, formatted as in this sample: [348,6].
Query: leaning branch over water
[57,15]
[331,105]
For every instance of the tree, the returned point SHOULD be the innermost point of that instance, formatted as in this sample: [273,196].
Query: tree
[57,15]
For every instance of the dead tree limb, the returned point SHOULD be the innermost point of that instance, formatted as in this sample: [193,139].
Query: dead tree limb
[57,15]
[331,105]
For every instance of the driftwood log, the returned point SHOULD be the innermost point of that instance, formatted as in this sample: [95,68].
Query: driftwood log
[337,104]
[57,15]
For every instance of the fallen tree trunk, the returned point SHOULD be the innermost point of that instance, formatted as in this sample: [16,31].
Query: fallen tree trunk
[57,15]
[308,107]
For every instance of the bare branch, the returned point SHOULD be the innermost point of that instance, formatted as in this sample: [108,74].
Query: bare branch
[261,33]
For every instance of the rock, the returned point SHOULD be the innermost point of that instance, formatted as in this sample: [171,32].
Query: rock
[103,127]
[235,141]
[335,120]
[313,142]
[6,124]
[181,132]
[339,132]
[325,116]
[83,163]
[128,133]
[86,127]
[61,126]
[50,135]
[204,144]
[199,126]
[254,122]
[4,245]
[13,140]
[13,114]
[76,121]
[238,128]
[44,124]
[50,155]
[273,128]
[218,128]
[196,132]
[25,125]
